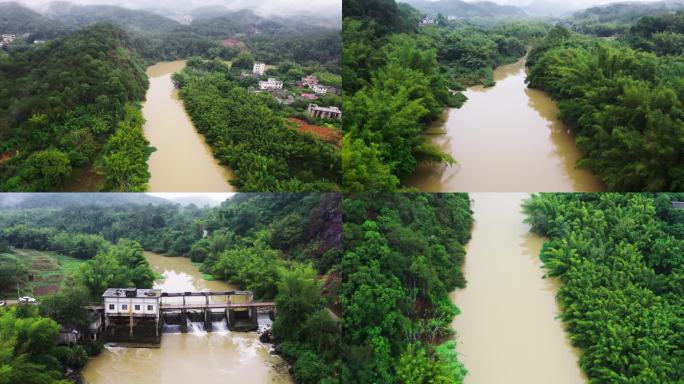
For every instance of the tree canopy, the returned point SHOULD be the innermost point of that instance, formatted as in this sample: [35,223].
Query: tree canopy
[619,260]
[624,106]
[60,103]
[402,257]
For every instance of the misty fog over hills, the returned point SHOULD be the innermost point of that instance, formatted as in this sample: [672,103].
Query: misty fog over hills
[181,10]
[519,8]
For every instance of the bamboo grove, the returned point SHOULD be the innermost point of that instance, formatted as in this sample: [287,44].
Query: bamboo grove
[623,100]
[619,260]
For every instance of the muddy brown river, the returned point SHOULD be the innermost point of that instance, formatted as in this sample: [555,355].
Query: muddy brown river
[506,139]
[183,161]
[195,357]
[508,331]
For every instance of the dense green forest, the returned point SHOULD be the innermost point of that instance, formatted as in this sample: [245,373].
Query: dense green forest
[18,19]
[155,37]
[623,102]
[397,78]
[27,349]
[619,260]
[246,131]
[285,247]
[275,39]
[402,257]
[133,20]
[70,105]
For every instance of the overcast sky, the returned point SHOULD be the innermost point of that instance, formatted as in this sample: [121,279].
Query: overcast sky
[572,3]
[583,3]
[214,198]
[270,7]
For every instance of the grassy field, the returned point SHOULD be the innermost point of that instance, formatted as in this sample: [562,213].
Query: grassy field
[46,270]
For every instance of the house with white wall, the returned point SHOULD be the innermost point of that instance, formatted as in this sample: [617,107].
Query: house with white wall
[259,68]
[271,84]
[319,89]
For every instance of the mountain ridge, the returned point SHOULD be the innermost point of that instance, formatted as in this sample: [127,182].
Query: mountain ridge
[462,9]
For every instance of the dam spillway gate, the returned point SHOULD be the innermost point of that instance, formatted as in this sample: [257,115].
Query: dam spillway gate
[140,315]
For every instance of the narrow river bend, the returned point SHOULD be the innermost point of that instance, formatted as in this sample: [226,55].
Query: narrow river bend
[183,161]
[506,138]
[196,357]
[508,331]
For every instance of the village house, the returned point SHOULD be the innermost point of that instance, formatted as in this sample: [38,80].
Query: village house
[324,112]
[308,96]
[318,89]
[309,81]
[427,20]
[259,68]
[7,39]
[272,83]
[334,91]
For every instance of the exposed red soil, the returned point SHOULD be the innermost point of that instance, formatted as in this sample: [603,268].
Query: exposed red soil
[232,43]
[7,156]
[330,135]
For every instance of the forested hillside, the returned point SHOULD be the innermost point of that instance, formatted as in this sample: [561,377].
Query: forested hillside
[662,35]
[132,20]
[402,257]
[70,105]
[462,9]
[56,200]
[619,260]
[274,39]
[397,78]
[248,132]
[156,37]
[285,247]
[611,19]
[17,19]
[624,105]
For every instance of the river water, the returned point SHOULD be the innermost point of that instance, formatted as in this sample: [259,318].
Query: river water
[183,161]
[506,139]
[508,331]
[195,357]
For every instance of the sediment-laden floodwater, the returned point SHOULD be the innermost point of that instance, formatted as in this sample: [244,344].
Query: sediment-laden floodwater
[508,331]
[202,357]
[506,138]
[183,161]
